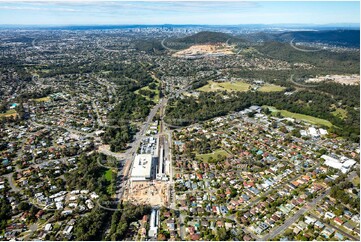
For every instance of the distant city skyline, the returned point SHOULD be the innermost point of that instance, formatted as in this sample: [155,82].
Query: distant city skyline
[210,13]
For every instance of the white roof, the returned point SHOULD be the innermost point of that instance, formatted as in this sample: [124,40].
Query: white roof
[349,163]
[312,131]
[323,131]
[142,166]
[332,162]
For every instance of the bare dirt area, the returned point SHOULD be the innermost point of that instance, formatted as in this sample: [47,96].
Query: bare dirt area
[200,50]
[343,79]
[147,192]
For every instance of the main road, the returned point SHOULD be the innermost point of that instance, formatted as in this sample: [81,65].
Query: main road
[130,153]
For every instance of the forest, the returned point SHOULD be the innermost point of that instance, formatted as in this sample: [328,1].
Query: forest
[310,102]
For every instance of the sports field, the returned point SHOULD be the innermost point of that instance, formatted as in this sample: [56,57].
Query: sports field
[225,86]
[271,88]
[214,155]
[306,118]
[42,99]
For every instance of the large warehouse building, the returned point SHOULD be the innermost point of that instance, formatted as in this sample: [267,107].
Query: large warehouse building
[343,164]
[142,168]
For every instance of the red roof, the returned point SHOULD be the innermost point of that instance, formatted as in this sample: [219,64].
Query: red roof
[195,237]
[338,220]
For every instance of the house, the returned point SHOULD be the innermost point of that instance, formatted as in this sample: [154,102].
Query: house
[204,223]
[220,223]
[329,215]
[301,225]
[309,220]
[191,230]
[228,225]
[170,224]
[319,225]
[339,236]
[67,230]
[262,227]
[338,221]
[327,232]
[356,218]
[247,238]
[349,226]
[195,237]
[296,230]
[48,227]
[39,214]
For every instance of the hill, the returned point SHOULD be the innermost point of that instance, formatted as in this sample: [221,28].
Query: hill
[342,38]
[346,38]
[206,37]
[344,62]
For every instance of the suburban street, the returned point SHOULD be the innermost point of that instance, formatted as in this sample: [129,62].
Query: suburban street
[274,232]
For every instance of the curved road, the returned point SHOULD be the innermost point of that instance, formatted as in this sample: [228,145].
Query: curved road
[300,49]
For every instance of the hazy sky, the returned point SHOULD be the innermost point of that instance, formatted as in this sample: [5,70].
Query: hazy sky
[127,12]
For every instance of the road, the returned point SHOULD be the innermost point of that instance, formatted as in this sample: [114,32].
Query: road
[274,232]
[335,228]
[130,153]
[166,47]
[299,49]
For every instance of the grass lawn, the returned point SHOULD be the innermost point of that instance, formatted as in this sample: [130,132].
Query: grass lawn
[43,99]
[356,181]
[225,86]
[271,88]
[342,113]
[108,177]
[303,117]
[156,96]
[214,154]
[9,113]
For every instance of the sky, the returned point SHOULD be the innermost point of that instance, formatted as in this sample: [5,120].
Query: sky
[92,12]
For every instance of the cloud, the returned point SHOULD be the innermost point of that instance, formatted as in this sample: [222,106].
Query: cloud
[26,8]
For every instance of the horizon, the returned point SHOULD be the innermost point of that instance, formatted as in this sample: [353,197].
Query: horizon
[100,13]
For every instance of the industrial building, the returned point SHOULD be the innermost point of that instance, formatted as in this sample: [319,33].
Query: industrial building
[343,164]
[142,168]
[154,221]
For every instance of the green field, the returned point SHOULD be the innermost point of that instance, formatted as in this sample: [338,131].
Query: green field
[271,88]
[225,86]
[339,112]
[302,117]
[108,177]
[156,96]
[9,113]
[43,99]
[214,155]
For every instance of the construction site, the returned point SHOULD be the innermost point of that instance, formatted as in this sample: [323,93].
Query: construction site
[149,174]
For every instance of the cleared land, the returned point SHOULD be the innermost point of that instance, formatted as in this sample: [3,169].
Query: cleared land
[225,86]
[214,155]
[271,88]
[147,192]
[343,79]
[220,49]
[9,113]
[303,117]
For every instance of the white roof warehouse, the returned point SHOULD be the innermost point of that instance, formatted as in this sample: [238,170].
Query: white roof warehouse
[142,167]
[344,164]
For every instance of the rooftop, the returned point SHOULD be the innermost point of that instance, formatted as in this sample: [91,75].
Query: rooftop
[142,166]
